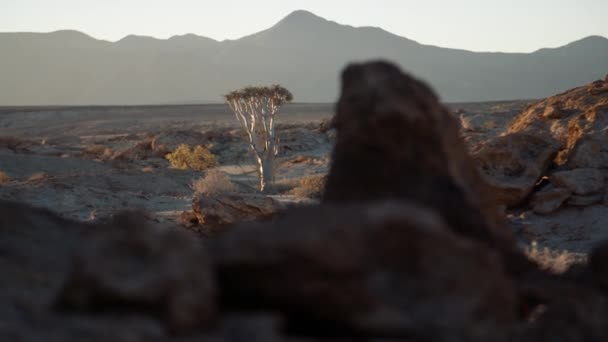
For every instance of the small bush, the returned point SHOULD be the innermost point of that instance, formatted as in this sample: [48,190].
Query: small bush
[199,158]
[4,178]
[214,182]
[552,260]
[310,187]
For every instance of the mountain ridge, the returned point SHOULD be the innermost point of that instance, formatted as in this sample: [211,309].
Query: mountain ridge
[302,51]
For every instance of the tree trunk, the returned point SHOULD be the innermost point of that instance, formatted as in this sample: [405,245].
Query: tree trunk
[266,172]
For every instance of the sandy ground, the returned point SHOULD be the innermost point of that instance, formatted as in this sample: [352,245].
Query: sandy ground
[51,168]
[48,165]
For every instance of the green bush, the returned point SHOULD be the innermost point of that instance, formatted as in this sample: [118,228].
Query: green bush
[184,158]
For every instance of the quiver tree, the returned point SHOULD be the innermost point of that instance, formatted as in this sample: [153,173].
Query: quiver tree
[255,109]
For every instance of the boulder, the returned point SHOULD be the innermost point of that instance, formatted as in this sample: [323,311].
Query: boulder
[553,112]
[598,263]
[576,119]
[589,151]
[580,181]
[395,140]
[130,266]
[585,200]
[514,163]
[217,211]
[550,199]
[135,275]
[384,269]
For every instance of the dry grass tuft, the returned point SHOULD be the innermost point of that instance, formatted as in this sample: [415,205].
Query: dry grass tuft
[310,187]
[4,178]
[97,152]
[214,182]
[552,260]
[198,159]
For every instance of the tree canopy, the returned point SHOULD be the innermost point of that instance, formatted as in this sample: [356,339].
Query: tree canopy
[278,94]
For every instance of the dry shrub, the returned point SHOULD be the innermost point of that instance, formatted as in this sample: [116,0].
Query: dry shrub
[38,176]
[555,261]
[310,187]
[97,152]
[4,178]
[199,158]
[214,182]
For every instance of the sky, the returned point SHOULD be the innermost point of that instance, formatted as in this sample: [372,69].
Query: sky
[477,25]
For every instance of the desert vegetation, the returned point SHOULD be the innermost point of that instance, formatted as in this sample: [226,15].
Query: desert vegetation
[310,187]
[214,182]
[198,158]
[256,109]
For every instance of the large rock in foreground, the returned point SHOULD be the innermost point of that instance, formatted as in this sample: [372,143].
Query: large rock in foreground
[129,265]
[382,269]
[396,141]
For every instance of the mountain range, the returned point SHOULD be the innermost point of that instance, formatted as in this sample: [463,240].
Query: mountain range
[303,52]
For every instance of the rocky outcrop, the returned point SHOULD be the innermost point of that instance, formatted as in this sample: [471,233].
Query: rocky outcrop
[549,200]
[514,163]
[396,141]
[128,265]
[561,138]
[580,181]
[215,212]
[377,269]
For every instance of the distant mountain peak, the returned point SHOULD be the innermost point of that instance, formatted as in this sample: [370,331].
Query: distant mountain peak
[70,33]
[300,17]
[191,37]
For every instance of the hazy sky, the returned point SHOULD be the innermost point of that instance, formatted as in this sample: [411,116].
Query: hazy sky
[479,25]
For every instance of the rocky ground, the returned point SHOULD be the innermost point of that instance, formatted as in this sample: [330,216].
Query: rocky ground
[433,225]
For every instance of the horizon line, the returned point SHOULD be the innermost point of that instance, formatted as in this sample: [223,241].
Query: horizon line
[305,12]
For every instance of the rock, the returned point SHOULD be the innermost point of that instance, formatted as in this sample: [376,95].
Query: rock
[598,263]
[553,112]
[217,211]
[396,141]
[389,269]
[188,219]
[476,123]
[589,152]
[133,267]
[585,200]
[576,119]
[548,200]
[577,316]
[580,181]
[514,163]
